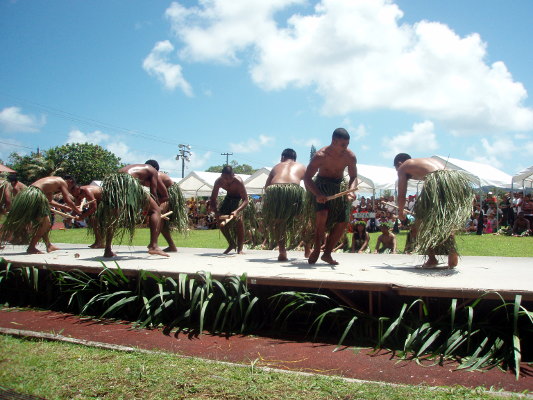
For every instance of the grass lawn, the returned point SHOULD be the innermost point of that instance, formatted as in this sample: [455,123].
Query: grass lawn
[469,245]
[65,371]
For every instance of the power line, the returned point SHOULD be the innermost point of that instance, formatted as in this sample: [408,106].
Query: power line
[110,127]
[16,145]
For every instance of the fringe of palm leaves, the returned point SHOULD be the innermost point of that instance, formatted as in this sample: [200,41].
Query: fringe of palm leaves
[479,333]
[281,213]
[121,206]
[442,208]
[178,220]
[25,216]
[4,185]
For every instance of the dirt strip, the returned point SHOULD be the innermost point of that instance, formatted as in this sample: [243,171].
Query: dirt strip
[319,358]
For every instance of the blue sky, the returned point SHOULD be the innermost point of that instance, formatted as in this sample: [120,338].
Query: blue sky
[253,77]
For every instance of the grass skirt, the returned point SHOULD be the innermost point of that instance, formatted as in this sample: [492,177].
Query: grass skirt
[120,209]
[339,208]
[443,207]
[25,217]
[282,210]
[4,185]
[178,220]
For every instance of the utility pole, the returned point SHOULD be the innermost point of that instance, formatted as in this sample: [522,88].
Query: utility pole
[227,155]
[183,153]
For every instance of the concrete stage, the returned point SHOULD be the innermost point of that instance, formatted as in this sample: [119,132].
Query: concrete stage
[398,274]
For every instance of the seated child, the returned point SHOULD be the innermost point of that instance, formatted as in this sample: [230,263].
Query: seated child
[387,240]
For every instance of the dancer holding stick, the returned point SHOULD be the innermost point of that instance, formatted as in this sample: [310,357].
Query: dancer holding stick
[283,202]
[443,207]
[29,218]
[236,193]
[330,163]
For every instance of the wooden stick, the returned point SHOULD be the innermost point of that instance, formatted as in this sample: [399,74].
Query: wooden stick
[334,196]
[83,202]
[223,223]
[224,216]
[396,207]
[62,214]
[165,216]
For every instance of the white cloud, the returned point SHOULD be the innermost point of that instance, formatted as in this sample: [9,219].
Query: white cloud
[359,56]
[420,138]
[356,133]
[495,153]
[96,137]
[12,120]
[156,64]
[252,145]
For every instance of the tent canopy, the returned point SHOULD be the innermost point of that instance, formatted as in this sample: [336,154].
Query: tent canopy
[524,177]
[3,168]
[256,182]
[200,183]
[480,174]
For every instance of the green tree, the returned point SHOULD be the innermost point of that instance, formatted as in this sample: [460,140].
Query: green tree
[238,169]
[85,161]
[313,151]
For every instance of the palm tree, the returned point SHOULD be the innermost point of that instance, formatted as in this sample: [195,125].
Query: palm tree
[41,166]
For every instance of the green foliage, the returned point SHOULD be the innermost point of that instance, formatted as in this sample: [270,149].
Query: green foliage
[244,169]
[480,334]
[85,161]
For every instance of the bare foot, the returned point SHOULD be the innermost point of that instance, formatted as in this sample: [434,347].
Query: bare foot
[230,247]
[327,258]
[34,250]
[51,248]
[171,249]
[97,246]
[109,254]
[282,256]
[453,260]
[240,252]
[430,264]
[313,256]
[158,252]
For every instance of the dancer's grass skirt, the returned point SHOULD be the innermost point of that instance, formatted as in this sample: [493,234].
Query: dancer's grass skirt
[443,207]
[178,220]
[4,186]
[282,210]
[122,205]
[28,209]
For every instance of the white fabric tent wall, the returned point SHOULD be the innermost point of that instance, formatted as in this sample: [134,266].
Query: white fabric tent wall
[256,182]
[480,174]
[524,178]
[200,183]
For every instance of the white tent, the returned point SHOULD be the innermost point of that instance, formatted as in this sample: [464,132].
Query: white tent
[256,182]
[200,183]
[376,178]
[480,174]
[524,178]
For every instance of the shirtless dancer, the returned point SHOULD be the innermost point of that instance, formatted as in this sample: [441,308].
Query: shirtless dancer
[283,201]
[330,162]
[458,204]
[236,192]
[11,189]
[178,220]
[40,194]
[93,195]
[139,174]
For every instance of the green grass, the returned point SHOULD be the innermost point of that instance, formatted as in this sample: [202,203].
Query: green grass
[469,245]
[56,370]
